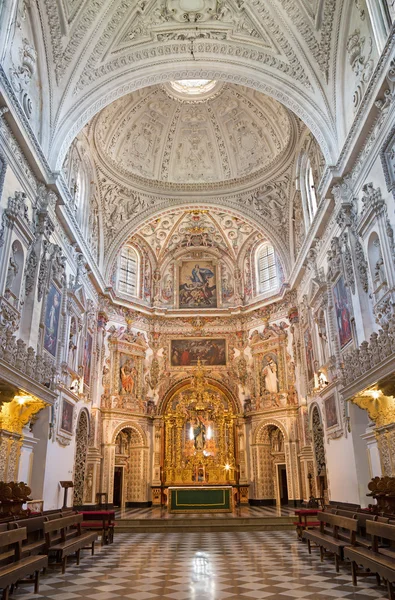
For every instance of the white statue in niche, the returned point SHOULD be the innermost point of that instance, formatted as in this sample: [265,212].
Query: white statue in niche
[269,375]
[379,273]
[12,271]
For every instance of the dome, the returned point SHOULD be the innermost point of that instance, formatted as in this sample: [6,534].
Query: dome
[181,133]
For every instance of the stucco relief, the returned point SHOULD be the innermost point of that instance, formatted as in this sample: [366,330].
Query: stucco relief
[155,136]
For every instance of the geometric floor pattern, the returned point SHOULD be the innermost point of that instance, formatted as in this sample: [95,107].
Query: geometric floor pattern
[240,512]
[203,566]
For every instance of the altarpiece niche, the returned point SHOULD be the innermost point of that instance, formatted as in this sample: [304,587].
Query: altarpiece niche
[199,435]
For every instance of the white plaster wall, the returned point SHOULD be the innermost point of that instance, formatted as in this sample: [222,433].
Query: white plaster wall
[59,467]
[342,471]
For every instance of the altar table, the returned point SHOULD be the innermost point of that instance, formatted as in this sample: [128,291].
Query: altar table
[206,499]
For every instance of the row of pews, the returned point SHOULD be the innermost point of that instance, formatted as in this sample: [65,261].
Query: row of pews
[28,545]
[364,539]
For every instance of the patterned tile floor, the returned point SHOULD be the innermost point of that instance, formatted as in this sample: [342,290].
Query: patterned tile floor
[209,566]
[240,512]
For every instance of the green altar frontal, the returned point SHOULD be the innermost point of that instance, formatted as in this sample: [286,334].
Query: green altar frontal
[200,499]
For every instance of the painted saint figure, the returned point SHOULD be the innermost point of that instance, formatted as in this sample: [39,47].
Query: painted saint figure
[128,374]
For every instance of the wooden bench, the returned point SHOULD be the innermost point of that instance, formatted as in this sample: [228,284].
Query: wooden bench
[17,568]
[64,537]
[329,539]
[378,559]
[100,520]
[35,541]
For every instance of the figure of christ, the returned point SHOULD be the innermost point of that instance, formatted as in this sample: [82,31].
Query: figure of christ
[269,376]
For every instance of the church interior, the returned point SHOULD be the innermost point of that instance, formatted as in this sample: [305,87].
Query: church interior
[197,299]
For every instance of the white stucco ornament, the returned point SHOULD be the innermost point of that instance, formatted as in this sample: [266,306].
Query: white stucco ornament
[192,10]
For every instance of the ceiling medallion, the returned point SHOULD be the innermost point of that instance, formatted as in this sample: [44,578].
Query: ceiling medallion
[193,90]
[193,87]
[192,11]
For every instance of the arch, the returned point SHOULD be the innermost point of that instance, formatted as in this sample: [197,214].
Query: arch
[376,261]
[14,275]
[317,428]
[130,425]
[186,382]
[128,271]
[247,214]
[266,269]
[241,73]
[267,423]
[81,450]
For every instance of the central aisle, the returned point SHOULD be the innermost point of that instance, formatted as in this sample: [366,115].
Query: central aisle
[212,566]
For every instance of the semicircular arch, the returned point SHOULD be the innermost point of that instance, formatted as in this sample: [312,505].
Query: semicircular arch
[132,227]
[130,425]
[185,383]
[268,423]
[296,98]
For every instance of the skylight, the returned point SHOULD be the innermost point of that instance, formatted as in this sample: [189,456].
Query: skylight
[193,87]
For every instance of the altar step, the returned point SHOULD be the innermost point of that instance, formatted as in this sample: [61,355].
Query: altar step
[182,524]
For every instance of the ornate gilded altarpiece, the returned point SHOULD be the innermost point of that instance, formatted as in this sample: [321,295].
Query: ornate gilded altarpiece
[199,424]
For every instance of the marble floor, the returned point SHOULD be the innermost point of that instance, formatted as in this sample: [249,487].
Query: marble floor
[207,566]
[240,512]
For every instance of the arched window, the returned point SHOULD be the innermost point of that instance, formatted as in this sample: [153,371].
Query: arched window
[267,269]
[311,197]
[127,279]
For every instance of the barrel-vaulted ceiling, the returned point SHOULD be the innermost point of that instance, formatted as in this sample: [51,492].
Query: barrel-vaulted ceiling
[99,50]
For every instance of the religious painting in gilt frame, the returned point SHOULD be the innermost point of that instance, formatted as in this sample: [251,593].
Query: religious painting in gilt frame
[186,352]
[127,375]
[197,284]
[87,358]
[330,410]
[343,313]
[308,345]
[51,319]
[66,421]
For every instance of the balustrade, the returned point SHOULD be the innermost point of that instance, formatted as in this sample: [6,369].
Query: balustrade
[370,354]
[14,352]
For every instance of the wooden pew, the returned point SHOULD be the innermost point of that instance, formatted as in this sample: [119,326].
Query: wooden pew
[57,536]
[328,539]
[379,560]
[16,567]
[35,541]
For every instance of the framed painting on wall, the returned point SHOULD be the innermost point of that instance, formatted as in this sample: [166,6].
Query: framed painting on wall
[66,421]
[308,345]
[197,286]
[343,312]
[330,410]
[186,352]
[51,319]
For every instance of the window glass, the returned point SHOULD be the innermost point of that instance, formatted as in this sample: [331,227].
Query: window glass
[267,269]
[127,281]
